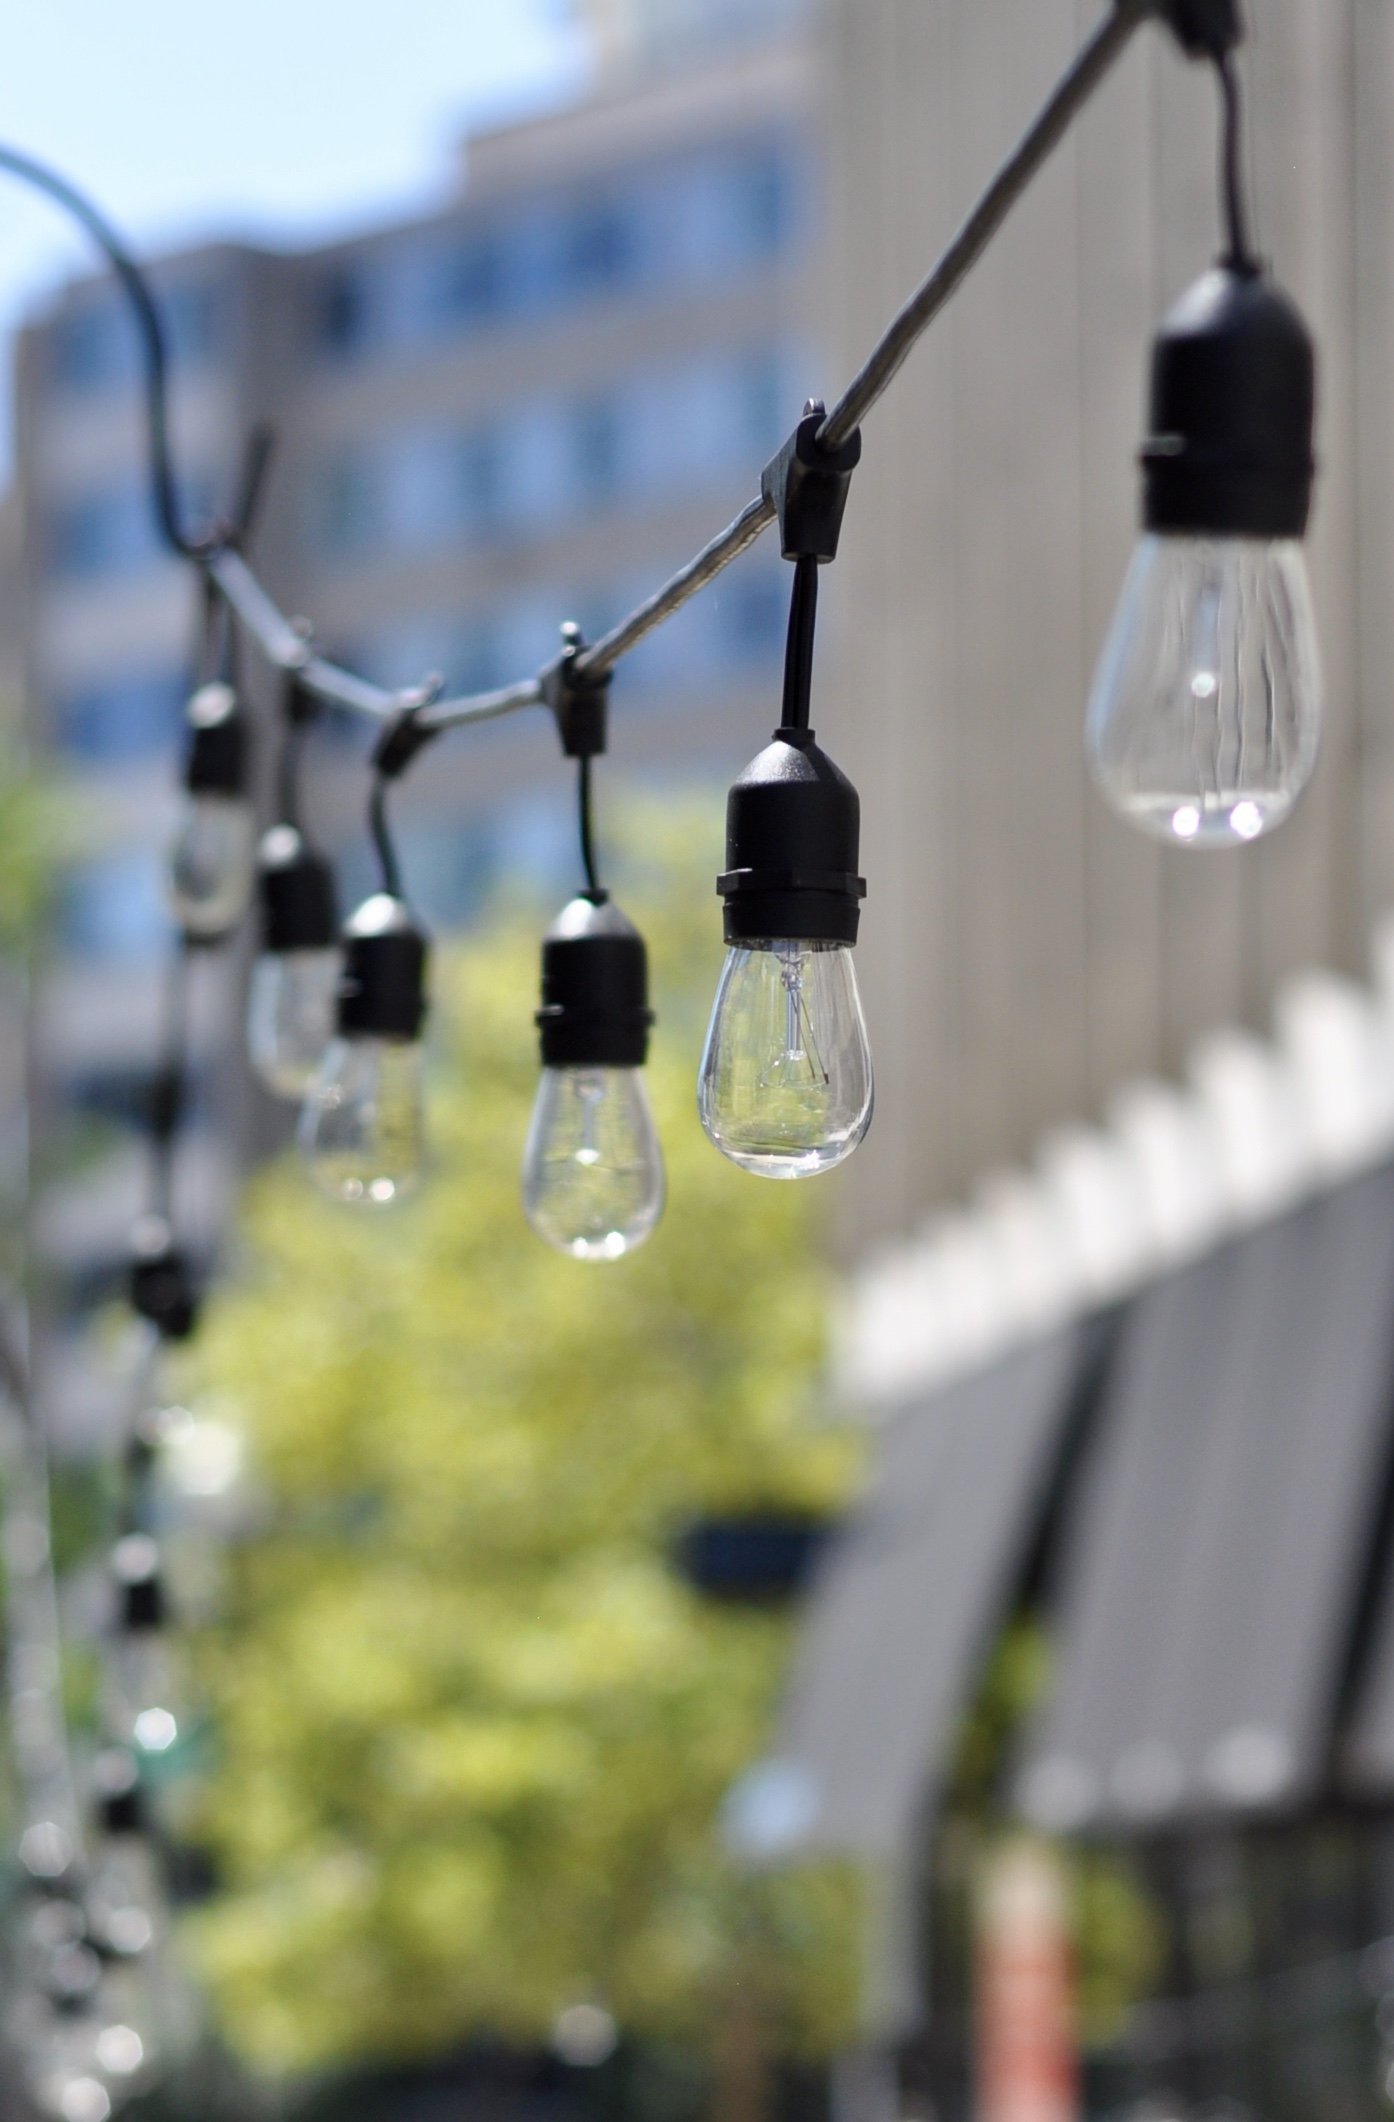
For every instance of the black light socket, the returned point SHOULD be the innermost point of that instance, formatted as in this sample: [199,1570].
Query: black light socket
[120,1804]
[299,909]
[135,1565]
[162,1291]
[793,823]
[382,988]
[143,1606]
[217,759]
[1233,398]
[1205,29]
[595,988]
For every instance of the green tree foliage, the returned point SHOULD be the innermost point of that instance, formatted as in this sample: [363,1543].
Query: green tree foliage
[472,1728]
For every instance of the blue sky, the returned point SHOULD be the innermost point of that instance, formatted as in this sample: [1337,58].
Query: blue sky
[272,118]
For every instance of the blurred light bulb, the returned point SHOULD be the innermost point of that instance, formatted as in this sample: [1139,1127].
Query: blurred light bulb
[120,2050]
[290,1016]
[786,1085]
[362,1126]
[1205,711]
[1206,708]
[213,857]
[290,1006]
[211,864]
[592,1169]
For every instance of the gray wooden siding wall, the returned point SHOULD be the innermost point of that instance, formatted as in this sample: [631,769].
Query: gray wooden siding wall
[1024,952]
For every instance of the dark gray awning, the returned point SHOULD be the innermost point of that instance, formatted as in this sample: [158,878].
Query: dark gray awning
[1220,1529]
[904,1608]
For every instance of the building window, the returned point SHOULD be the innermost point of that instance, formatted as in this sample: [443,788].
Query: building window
[596,449]
[765,417]
[343,310]
[96,347]
[104,534]
[756,615]
[116,532]
[92,349]
[348,512]
[763,204]
[129,718]
[597,249]
[113,907]
[474,283]
[193,313]
[479,477]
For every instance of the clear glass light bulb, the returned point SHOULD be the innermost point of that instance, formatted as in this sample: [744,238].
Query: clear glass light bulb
[786,1087]
[592,1169]
[362,1125]
[1206,708]
[213,864]
[143,1705]
[290,1016]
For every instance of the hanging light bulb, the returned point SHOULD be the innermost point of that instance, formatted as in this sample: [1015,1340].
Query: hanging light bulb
[361,1127]
[212,861]
[1205,711]
[592,1169]
[142,1706]
[290,1005]
[786,1080]
[785,1088]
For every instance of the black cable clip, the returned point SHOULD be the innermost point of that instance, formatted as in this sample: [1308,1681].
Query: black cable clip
[300,707]
[1205,29]
[161,1286]
[807,486]
[578,699]
[406,735]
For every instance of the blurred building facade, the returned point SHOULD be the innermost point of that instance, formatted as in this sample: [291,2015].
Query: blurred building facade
[525,407]
[1024,953]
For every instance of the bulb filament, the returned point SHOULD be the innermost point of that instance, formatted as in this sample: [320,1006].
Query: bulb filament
[800,1063]
[591,1093]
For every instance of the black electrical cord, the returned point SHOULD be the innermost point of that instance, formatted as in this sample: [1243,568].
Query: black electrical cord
[288,774]
[594,888]
[217,549]
[153,344]
[798,652]
[1239,253]
[382,837]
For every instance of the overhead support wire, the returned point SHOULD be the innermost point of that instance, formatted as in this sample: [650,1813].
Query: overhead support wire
[289,644]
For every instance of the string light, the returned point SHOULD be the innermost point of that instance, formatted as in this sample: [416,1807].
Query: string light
[785,1086]
[1205,712]
[212,860]
[362,1126]
[294,983]
[1216,593]
[592,1168]
[786,1079]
